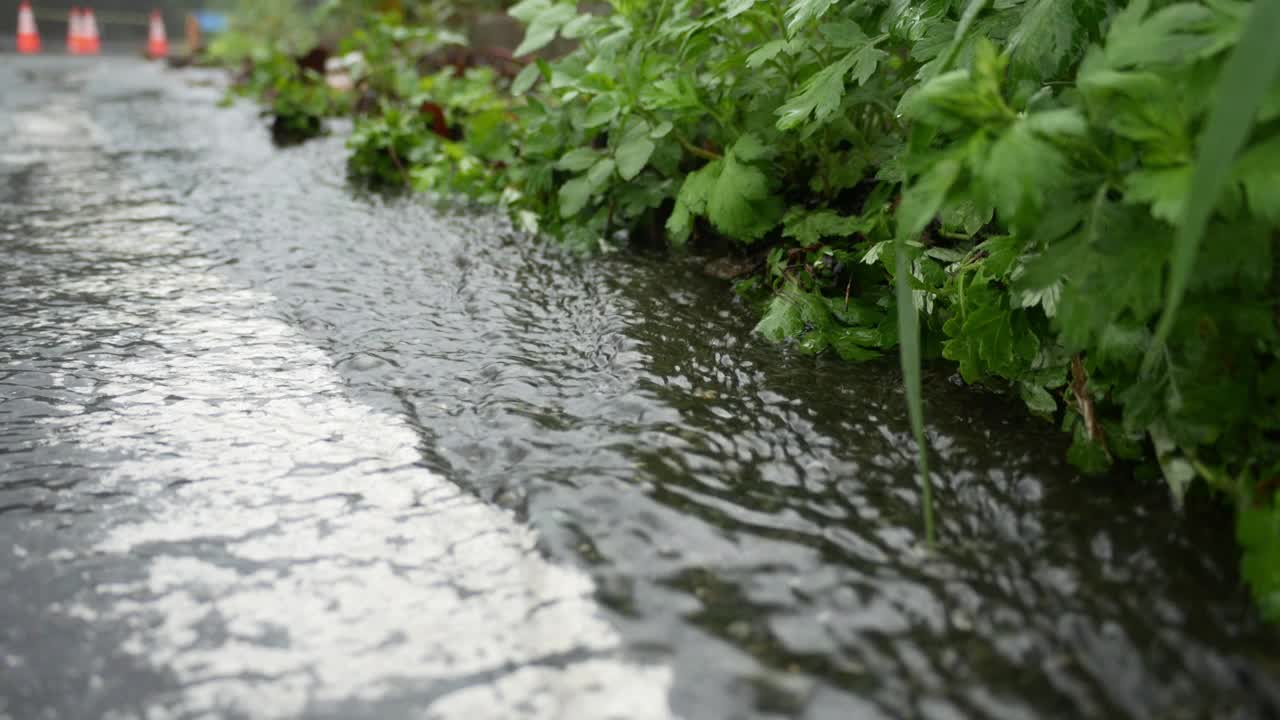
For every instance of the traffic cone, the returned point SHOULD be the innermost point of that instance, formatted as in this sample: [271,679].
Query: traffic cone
[92,43]
[73,31]
[157,42]
[28,35]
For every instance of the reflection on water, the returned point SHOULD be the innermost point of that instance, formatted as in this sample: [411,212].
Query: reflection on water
[239,389]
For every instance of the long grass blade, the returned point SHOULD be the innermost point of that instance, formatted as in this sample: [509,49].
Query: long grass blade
[1250,72]
[910,225]
[909,353]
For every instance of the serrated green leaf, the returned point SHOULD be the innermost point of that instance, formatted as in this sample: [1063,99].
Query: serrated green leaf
[843,34]
[1170,34]
[1164,189]
[819,97]
[808,227]
[802,12]
[822,93]
[856,344]
[1039,400]
[1019,170]
[765,53]
[1258,171]
[750,148]
[782,321]
[1044,35]
[741,204]
[999,255]
[692,200]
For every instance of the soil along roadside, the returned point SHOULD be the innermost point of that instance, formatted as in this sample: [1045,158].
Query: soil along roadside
[1019,173]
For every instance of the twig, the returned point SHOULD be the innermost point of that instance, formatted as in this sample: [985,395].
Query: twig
[395,160]
[1080,389]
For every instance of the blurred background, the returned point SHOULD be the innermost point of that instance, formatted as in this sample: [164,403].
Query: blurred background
[297,24]
[120,22]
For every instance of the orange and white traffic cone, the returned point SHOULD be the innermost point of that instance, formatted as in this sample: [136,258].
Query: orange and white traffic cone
[157,41]
[92,42]
[28,35]
[73,31]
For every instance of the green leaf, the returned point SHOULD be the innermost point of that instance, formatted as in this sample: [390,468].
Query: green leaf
[856,344]
[679,224]
[1044,36]
[750,148]
[578,159]
[574,196]
[982,336]
[923,200]
[1039,400]
[967,18]
[692,200]
[1258,531]
[526,79]
[633,155]
[1249,74]
[601,111]
[808,227]
[782,321]
[543,25]
[822,93]
[865,62]
[698,185]
[1169,35]
[819,97]
[765,53]
[802,12]
[734,8]
[741,204]
[579,27]
[1164,189]
[1002,252]
[843,34]
[1259,173]
[600,173]
[526,10]
[1019,170]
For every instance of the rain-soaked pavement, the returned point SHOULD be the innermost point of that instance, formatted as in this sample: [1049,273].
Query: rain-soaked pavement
[271,448]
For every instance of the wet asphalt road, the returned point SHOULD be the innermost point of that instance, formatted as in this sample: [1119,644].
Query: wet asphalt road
[196,520]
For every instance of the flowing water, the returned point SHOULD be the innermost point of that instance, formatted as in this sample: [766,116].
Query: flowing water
[270,447]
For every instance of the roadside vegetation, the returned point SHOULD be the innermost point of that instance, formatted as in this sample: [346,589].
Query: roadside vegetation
[1074,202]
